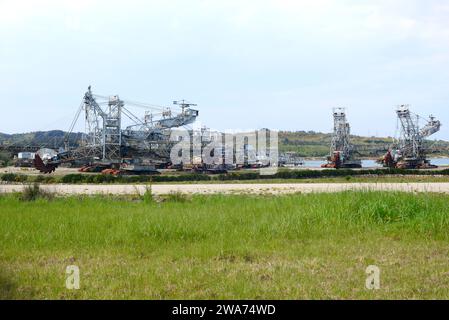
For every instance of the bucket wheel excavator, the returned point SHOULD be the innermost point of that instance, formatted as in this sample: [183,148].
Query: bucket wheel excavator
[144,140]
[341,152]
[409,151]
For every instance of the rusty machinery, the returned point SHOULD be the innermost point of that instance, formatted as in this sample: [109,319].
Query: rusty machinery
[409,150]
[145,140]
[341,151]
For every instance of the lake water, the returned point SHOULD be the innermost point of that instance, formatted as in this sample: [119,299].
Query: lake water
[372,163]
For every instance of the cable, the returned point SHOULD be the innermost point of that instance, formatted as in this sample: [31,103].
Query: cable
[72,125]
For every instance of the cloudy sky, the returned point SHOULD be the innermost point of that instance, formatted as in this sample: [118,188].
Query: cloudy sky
[281,64]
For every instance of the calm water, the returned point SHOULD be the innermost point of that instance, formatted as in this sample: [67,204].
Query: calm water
[372,163]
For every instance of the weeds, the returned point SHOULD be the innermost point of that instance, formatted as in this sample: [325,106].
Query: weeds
[147,196]
[34,192]
[176,197]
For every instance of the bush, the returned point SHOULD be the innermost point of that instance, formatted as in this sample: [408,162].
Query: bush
[180,178]
[34,192]
[73,178]
[104,178]
[254,175]
[5,159]
[9,177]
[135,179]
[45,179]
[176,197]
[40,178]
[12,177]
[21,178]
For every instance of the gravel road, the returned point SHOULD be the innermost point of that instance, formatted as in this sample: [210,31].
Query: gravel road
[159,189]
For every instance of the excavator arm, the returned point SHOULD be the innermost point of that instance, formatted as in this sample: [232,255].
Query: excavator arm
[432,127]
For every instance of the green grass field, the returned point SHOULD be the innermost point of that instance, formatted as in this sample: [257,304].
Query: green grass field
[314,246]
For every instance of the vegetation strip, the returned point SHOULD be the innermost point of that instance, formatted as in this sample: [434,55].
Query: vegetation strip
[234,176]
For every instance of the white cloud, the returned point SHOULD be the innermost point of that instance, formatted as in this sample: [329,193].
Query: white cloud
[323,50]
[328,18]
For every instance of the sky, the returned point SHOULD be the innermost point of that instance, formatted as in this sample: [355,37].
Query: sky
[278,64]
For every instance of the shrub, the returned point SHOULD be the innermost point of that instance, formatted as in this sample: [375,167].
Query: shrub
[104,178]
[9,177]
[12,177]
[21,178]
[5,159]
[40,178]
[34,192]
[254,175]
[73,178]
[89,178]
[176,197]
[45,179]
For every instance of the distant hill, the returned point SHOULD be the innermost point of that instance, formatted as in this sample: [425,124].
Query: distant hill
[304,143]
[316,144]
[51,139]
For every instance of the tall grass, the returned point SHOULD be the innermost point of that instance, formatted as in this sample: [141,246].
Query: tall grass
[147,196]
[33,192]
[99,221]
[227,246]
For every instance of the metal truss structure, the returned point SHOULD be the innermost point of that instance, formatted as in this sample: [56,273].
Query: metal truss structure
[341,150]
[409,150]
[145,139]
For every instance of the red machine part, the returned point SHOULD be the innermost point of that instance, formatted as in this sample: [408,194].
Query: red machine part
[335,162]
[41,166]
[114,172]
[388,160]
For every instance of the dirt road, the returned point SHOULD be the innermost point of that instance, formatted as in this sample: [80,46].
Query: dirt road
[69,189]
